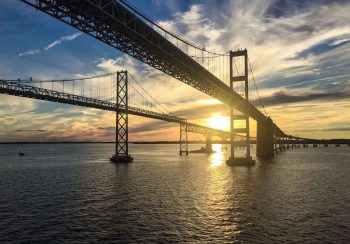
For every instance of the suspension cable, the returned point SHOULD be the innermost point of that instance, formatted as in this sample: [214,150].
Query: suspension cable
[149,95]
[256,87]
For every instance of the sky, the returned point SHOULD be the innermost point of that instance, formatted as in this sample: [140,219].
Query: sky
[300,52]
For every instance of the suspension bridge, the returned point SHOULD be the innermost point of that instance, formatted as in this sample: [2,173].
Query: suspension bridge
[119,92]
[225,76]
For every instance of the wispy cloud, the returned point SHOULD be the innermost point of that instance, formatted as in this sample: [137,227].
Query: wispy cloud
[51,45]
[30,130]
[30,52]
[62,40]
[340,129]
[340,41]
[282,97]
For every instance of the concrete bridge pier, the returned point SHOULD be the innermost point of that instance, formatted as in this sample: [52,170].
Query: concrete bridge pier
[264,140]
[283,143]
[289,140]
[280,145]
[275,144]
[208,144]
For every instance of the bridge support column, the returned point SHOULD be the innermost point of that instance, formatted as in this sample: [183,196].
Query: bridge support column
[264,140]
[275,144]
[241,76]
[208,144]
[183,139]
[122,140]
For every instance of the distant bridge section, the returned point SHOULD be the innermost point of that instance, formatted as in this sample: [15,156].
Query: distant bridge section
[23,90]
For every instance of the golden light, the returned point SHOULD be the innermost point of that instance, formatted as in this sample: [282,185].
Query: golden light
[219,122]
[216,159]
[209,102]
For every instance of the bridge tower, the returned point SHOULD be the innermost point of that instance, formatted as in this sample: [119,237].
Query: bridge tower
[122,140]
[208,144]
[246,160]
[183,138]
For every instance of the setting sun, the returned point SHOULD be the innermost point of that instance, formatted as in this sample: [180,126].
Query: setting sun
[218,122]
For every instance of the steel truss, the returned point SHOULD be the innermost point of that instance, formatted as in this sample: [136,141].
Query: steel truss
[243,116]
[121,134]
[183,139]
[114,24]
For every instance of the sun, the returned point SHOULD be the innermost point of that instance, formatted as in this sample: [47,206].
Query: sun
[219,122]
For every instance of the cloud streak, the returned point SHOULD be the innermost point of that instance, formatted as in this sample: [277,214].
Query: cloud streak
[282,97]
[51,45]
[30,130]
[62,40]
[29,52]
[332,129]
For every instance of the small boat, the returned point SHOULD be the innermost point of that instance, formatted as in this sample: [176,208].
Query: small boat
[203,150]
[21,153]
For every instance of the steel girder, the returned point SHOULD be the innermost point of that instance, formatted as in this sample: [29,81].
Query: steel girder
[112,23]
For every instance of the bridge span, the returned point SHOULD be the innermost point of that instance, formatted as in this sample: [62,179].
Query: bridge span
[120,25]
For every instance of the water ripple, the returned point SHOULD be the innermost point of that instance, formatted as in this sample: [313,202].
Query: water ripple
[71,193]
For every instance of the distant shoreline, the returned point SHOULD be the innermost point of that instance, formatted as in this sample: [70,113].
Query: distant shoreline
[90,142]
[330,141]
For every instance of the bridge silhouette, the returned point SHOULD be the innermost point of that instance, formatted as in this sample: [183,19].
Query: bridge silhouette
[227,77]
[86,92]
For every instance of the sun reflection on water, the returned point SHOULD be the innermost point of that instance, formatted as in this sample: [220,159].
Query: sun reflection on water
[216,159]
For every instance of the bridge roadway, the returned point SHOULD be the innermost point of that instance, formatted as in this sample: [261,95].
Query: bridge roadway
[22,90]
[117,25]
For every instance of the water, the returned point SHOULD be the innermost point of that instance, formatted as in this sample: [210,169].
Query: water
[71,193]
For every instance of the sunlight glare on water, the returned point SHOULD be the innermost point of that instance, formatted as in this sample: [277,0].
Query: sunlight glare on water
[217,158]
[71,193]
